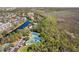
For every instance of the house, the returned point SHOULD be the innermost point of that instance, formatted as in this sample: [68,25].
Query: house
[5,26]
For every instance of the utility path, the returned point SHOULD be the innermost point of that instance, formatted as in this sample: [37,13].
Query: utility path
[18,45]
